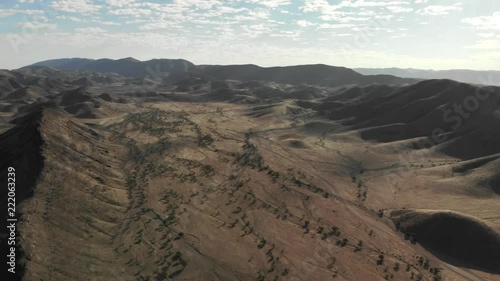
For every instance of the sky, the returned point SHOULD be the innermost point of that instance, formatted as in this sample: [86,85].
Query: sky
[425,34]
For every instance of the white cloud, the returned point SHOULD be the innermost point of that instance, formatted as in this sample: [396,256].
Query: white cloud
[365,13]
[270,3]
[199,4]
[304,23]
[80,19]
[159,24]
[330,26]
[136,12]
[287,34]
[89,30]
[314,5]
[362,3]
[229,10]
[399,9]
[11,12]
[485,44]
[75,6]
[325,6]
[400,35]
[440,10]
[120,3]
[256,14]
[334,15]
[486,35]
[221,27]
[146,45]
[36,25]
[356,14]
[484,22]
[70,18]
[105,22]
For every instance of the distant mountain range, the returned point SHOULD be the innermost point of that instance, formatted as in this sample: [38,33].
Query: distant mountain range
[462,75]
[318,74]
[128,67]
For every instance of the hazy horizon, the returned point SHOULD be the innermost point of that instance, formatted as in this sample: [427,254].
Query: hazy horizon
[284,65]
[418,34]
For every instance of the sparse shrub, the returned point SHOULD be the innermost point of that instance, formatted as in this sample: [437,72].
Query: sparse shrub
[380,260]
[342,243]
[262,243]
[335,231]
[320,230]
[380,213]
[426,264]
[179,236]
[306,224]
[285,272]
[359,246]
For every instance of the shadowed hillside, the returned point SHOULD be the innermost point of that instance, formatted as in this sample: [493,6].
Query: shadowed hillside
[435,111]
[456,238]
[21,149]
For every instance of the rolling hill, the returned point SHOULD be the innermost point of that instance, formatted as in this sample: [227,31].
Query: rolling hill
[247,173]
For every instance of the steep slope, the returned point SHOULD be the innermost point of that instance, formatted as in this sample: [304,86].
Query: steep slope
[68,224]
[21,150]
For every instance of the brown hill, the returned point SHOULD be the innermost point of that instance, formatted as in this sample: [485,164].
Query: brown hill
[8,82]
[425,110]
[28,94]
[223,179]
